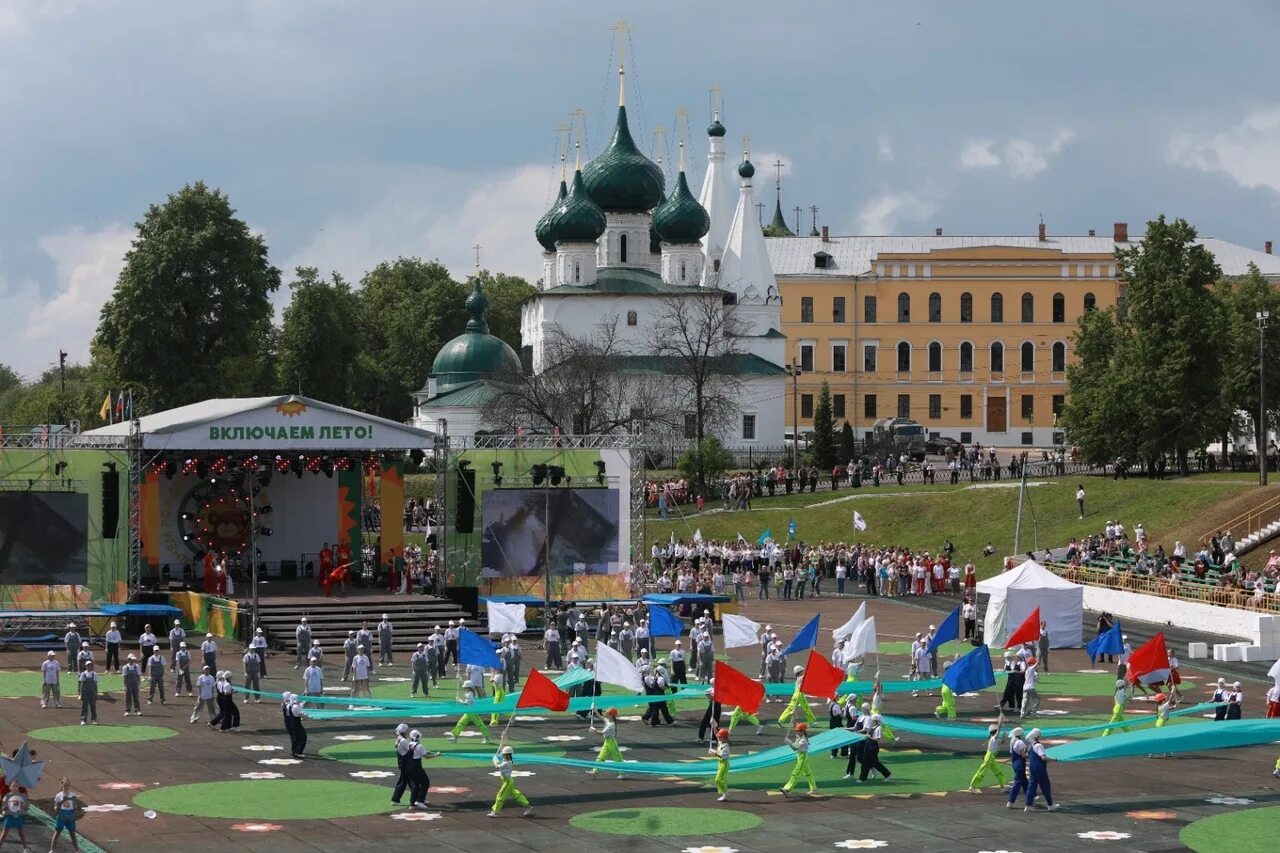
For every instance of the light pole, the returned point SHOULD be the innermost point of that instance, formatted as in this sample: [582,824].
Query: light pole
[794,371]
[1262,318]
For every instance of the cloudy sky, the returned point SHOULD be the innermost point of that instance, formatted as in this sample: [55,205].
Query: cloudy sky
[352,132]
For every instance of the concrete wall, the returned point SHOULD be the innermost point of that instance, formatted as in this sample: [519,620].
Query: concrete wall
[1259,629]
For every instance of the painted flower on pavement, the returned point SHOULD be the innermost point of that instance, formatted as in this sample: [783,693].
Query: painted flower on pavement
[862,844]
[1063,699]
[372,774]
[121,786]
[280,762]
[562,738]
[262,774]
[107,807]
[530,719]
[466,734]
[516,773]
[262,747]
[353,737]
[1092,671]
[392,678]
[256,827]
[1052,712]
[710,848]
[1103,835]
[998,851]
[417,816]
[450,789]
[1229,801]
[1057,741]
[1151,814]
[630,718]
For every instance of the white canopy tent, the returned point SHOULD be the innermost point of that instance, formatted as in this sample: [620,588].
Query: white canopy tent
[1015,593]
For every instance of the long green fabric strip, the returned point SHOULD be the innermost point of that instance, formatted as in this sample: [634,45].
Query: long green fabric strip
[933,728]
[786,688]
[374,709]
[1191,737]
[833,739]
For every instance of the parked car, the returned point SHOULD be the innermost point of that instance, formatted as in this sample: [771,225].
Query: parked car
[942,446]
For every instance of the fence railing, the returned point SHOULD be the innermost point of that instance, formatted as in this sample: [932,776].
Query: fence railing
[1163,587]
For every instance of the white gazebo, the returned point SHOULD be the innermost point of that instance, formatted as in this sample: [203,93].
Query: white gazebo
[1017,592]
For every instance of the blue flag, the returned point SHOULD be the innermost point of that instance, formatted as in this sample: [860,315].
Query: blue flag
[971,673]
[949,629]
[1109,642]
[765,536]
[663,623]
[791,529]
[806,639]
[474,649]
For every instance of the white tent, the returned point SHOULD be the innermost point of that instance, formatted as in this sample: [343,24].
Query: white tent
[1017,592]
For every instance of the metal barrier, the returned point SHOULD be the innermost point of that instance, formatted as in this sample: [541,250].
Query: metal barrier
[1164,587]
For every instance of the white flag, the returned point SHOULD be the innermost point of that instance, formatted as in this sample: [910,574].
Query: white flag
[612,667]
[848,628]
[1274,672]
[858,521]
[506,618]
[739,631]
[697,536]
[864,639]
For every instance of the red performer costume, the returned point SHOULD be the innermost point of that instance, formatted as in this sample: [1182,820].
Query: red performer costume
[326,563]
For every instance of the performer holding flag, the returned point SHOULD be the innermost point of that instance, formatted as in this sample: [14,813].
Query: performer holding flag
[799,742]
[989,763]
[609,748]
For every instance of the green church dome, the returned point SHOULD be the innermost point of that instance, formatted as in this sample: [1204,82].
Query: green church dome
[621,179]
[577,219]
[680,219]
[745,169]
[715,128]
[543,229]
[475,353]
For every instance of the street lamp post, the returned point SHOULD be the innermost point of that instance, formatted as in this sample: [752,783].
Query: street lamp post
[1262,318]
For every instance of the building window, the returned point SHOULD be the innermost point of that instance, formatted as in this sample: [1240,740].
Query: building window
[904,405]
[622,249]
[837,405]
[966,308]
[806,405]
[748,427]
[904,357]
[935,406]
[868,309]
[1059,403]
[935,357]
[966,406]
[837,358]
[683,271]
[1028,407]
[1059,357]
[837,309]
[1028,308]
[935,308]
[690,426]
[577,272]
[1090,302]
[869,358]
[806,358]
[1027,439]
[904,308]
[869,406]
[997,308]
[1028,357]
[806,309]
[1059,308]
[997,357]
[966,438]
[966,357]
[631,318]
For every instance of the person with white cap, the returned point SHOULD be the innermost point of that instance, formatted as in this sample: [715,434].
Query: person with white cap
[678,673]
[113,639]
[155,673]
[873,730]
[1125,651]
[470,718]
[89,694]
[1038,772]
[403,747]
[85,657]
[252,676]
[313,678]
[419,664]
[385,636]
[798,704]
[302,641]
[209,651]
[176,636]
[419,782]
[206,689]
[451,635]
[147,642]
[258,645]
[349,648]
[1235,702]
[504,760]
[50,689]
[182,664]
[706,657]
[132,675]
[298,734]
[710,717]
[1123,694]
[71,642]
[360,667]
[989,763]
[316,654]
[627,641]
[1018,758]
[1219,697]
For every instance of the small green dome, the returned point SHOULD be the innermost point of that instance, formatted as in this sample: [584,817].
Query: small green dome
[778,226]
[715,128]
[578,219]
[475,353]
[543,229]
[681,219]
[621,179]
[745,169]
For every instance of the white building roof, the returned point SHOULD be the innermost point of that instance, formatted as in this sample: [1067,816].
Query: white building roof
[850,256]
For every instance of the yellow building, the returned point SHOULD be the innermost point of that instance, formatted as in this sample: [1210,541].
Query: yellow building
[969,336]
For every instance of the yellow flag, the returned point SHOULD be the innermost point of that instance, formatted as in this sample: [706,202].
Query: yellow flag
[105,411]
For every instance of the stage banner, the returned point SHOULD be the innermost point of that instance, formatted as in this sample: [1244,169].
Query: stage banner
[391,504]
[207,613]
[350,508]
[150,495]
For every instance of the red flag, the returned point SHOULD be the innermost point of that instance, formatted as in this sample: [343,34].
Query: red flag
[1027,632]
[541,692]
[736,689]
[821,678]
[1151,657]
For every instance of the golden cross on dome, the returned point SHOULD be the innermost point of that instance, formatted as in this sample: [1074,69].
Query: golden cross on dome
[562,141]
[746,147]
[660,141]
[622,28]
[477,248]
[682,130]
[717,98]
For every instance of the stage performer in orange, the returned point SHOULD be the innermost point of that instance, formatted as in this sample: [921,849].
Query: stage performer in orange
[326,564]
[210,584]
[393,576]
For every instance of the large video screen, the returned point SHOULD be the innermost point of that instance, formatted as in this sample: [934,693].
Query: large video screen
[43,538]
[575,531]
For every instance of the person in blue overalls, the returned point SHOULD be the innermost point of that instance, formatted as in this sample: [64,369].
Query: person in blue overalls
[1018,757]
[403,748]
[1038,771]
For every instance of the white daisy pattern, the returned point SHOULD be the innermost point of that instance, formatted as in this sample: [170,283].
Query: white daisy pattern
[562,738]
[107,807]
[862,843]
[121,786]
[466,733]
[999,851]
[531,719]
[1052,712]
[710,848]
[352,737]
[1229,801]
[519,774]
[372,774]
[1103,835]
[257,827]
[262,774]
[280,762]
[262,747]
[417,816]
[392,678]
[450,789]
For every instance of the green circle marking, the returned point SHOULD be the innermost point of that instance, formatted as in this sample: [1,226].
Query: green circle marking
[381,753]
[659,822]
[102,734]
[1242,831]
[283,799]
[29,685]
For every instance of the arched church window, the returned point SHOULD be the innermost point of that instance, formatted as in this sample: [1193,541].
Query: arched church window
[632,319]
[622,249]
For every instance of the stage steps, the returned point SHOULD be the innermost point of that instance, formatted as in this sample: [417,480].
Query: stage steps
[414,617]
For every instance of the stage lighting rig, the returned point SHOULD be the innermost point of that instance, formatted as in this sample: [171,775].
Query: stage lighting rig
[600,471]
[497,473]
[556,473]
[539,474]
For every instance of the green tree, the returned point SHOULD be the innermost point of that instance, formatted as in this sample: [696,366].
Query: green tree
[848,448]
[1242,298]
[705,462]
[409,308]
[506,293]
[824,438]
[1101,404]
[190,317]
[320,338]
[9,378]
[46,402]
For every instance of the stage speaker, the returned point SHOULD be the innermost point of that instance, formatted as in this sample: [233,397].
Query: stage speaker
[288,570]
[110,504]
[464,515]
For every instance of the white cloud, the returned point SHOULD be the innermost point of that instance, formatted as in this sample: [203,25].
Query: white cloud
[883,214]
[1248,153]
[765,171]
[884,147]
[86,266]
[1021,157]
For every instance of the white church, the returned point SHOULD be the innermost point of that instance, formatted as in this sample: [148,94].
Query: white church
[617,250]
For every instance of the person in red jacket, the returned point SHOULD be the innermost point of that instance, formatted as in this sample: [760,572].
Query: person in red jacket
[326,564]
